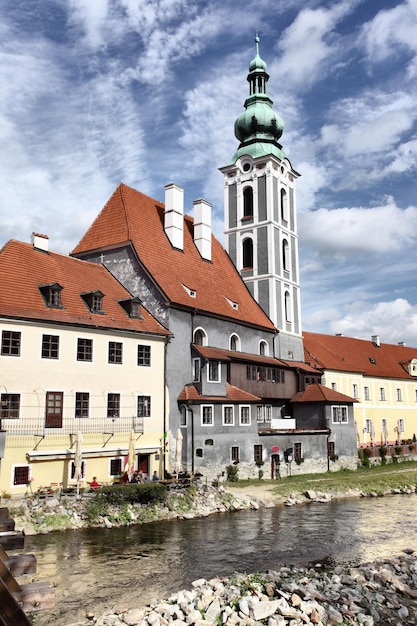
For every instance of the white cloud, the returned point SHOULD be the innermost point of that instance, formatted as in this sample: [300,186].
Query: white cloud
[393,321]
[391,30]
[362,230]
[309,44]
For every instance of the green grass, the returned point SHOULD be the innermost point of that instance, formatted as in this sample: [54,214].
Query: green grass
[377,479]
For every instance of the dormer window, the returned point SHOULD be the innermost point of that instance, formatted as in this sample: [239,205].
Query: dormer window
[52,295]
[94,301]
[191,292]
[234,305]
[132,307]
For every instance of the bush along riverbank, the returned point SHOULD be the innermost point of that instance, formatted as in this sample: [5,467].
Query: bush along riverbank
[126,505]
[383,592]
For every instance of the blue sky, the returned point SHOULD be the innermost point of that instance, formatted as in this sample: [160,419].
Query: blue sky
[147,92]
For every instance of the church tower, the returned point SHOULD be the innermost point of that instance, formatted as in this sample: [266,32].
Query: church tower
[260,214]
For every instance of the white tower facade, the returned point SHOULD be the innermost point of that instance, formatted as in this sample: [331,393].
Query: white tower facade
[261,216]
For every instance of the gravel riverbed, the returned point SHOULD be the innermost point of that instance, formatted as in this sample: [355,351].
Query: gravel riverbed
[383,592]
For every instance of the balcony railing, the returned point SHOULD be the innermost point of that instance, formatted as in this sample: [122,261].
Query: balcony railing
[35,426]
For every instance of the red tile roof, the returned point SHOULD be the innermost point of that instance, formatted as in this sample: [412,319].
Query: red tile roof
[130,216]
[233,394]
[320,393]
[346,354]
[24,268]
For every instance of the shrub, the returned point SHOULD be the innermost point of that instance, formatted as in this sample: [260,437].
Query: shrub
[364,458]
[367,452]
[398,450]
[334,457]
[137,493]
[232,472]
[382,451]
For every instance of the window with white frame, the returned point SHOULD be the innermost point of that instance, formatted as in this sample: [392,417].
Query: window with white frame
[183,416]
[399,395]
[115,467]
[245,415]
[382,393]
[234,343]
[400,425]
[339,415]
[196,370]
[366,395]
[368,426]
[213,371]
[207,415]
[355,391]
[334,386]
[268,413]
[263,348]
[144,406]
[200,337]
[21,474]
[228,416]
[259,413]
[10,406]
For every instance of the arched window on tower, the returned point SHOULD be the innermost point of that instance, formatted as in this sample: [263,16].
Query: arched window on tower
[247,254]
[287,305]
[285,255]
[248,202]
[200,337]
[284,206]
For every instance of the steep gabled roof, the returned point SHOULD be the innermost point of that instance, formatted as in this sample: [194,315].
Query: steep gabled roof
[320,393]
[346,354]
[132,218]
[24,268]
[190,393]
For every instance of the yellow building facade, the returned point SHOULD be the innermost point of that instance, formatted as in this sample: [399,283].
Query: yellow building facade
[382,378]
[77,374]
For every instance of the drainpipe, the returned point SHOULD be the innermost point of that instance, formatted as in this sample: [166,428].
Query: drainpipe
[328,457]
[165,408]
[192,439]
[276,336]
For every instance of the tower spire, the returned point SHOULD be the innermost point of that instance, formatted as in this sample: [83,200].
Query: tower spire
[260,213]
[258,128]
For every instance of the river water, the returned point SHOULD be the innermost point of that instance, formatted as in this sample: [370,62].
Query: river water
[96,570]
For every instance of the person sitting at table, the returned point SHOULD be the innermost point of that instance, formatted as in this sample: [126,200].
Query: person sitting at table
[155,477]
[94,484]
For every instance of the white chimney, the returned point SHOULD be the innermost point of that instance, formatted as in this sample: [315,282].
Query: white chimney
[202,228]
[402,344]
[40,242]
[174,215]
[376,341]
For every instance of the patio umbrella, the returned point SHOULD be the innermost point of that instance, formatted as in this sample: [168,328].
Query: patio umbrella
[78,460]
[178,451]
[131,455]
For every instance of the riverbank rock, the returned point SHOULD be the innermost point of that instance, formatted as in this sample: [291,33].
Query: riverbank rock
[379,593]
